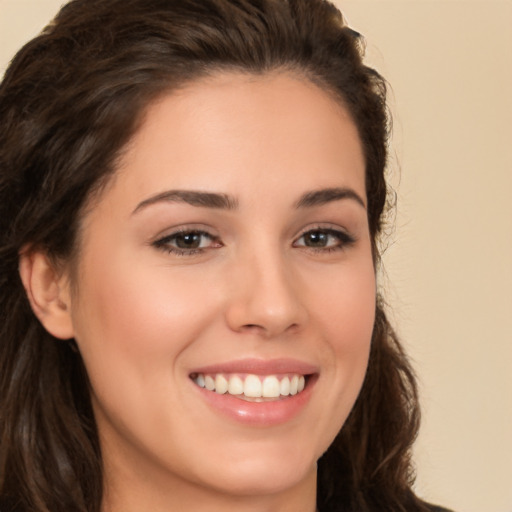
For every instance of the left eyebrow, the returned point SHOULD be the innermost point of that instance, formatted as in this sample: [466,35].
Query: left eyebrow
[327,195]
[192,197]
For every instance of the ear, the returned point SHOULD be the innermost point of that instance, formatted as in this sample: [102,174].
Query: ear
[48,293]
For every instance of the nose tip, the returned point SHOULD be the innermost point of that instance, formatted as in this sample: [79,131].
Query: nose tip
[267,302]
[267,324]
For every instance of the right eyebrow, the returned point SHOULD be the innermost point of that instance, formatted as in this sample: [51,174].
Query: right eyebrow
[192,197]
[327,195]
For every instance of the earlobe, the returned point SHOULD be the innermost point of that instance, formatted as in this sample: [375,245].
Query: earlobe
[47,292]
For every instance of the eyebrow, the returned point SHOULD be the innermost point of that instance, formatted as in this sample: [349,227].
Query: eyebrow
[192,197]
[328,195]
[227,202]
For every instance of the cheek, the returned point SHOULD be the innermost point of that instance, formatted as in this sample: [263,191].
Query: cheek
[347,308]
[354,323]
[346,314]
[134,324]
[134,319]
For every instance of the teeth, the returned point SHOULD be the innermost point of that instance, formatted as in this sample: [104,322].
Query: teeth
[200,381]
[294,384]
[271,388]
[252,386]
[236,386]
[209,383]
[285,386]
[221,384]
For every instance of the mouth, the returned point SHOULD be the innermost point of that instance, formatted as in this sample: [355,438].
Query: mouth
[256,392]
[252,387]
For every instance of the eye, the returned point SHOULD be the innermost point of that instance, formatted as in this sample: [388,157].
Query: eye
[187,242]
[324,239]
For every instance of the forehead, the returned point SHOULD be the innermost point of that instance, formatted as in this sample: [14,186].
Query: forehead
[234,130]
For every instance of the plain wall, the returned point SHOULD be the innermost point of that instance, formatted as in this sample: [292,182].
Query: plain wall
[449,264]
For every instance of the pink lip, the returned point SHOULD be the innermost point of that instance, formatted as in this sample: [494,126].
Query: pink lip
[260,367]
[260,414]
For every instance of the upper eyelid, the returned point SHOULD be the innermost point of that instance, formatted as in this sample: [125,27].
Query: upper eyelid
[192,228]
[166,243]
[209,231]
[213,233]
[325,227]
[175,234]
[345,237]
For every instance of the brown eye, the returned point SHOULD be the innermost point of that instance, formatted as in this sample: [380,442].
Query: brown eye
[187,242]
[328,239]
[316,239]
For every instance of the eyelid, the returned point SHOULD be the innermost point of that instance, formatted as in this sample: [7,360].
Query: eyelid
[163,241]
[344,236]
[185,228]
[326,227]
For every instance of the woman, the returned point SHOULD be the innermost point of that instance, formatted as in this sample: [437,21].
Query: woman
[192,195]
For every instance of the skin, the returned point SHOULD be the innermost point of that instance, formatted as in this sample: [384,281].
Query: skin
[144,317]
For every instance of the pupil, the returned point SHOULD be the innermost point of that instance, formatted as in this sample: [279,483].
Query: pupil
[188,241]
[316,239]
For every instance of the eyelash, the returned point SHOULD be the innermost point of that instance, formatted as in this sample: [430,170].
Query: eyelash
[165,242]
[343,240]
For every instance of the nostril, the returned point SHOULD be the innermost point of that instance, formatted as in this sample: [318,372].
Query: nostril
[269,331]
[252,328]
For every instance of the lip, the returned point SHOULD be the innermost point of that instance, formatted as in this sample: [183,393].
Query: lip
[260,367]
[259,414]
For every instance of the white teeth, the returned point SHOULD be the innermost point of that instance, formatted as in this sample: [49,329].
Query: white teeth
[221,384]
[285,386]
[200,381]
[302,384]
[236,386]
[271,387]
[294,384]
[209,383]
[253,386]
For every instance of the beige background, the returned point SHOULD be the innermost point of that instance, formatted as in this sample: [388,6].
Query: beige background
[449,268]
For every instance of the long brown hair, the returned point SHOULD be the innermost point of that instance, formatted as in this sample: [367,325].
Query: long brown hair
[69,102]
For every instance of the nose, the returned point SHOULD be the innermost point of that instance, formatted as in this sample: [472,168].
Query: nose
[265,297]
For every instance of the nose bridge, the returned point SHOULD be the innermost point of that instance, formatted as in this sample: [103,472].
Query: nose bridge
[265,294]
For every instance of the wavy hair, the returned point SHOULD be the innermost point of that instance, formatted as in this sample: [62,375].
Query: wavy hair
[70,101]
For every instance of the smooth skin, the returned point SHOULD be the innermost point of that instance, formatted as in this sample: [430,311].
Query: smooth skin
[164,286]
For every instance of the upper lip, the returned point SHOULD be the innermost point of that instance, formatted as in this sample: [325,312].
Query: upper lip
[259,367]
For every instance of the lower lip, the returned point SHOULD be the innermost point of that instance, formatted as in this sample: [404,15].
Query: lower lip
[262,414]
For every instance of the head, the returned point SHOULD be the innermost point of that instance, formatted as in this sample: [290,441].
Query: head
[73,105]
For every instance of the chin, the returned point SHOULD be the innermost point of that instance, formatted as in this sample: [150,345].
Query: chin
[263,470]
[252,478]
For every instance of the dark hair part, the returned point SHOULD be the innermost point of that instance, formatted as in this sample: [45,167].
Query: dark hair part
[70,101]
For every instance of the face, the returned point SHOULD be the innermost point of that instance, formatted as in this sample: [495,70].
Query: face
[225,291]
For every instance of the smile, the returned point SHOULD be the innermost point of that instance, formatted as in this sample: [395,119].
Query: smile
[252,387]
